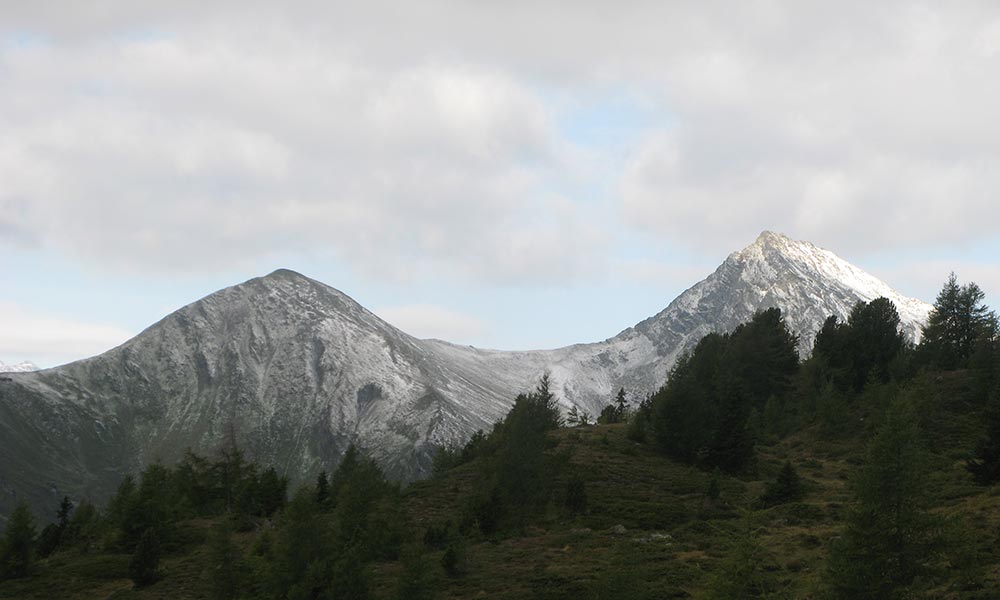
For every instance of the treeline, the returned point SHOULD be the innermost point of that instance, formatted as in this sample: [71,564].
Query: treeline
[863,378]
[141,517]
[734,390]
[515,472]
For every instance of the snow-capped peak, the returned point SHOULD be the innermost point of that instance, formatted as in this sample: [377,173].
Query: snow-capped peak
[808,260]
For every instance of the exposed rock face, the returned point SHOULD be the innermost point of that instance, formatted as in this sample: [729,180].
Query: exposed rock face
[295,371]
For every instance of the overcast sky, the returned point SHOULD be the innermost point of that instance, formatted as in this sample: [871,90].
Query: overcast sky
[507,174]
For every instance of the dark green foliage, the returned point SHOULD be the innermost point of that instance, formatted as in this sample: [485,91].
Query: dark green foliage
[513,461]
[56,534]
[985,464]
[617,411]
[577,417]
[445,459]
[787,487]
[453,559]
[322,490]
[863,348]
[142,568]
[272,491]
[300,555]
[957,324]
[639,421]
[488,511]
[609,414]
[17,548]
[832,410]
[713,492]
[576,495]
[416,581]
[437,536]
[701,415]
[748,570]
[48,540]
[227,569]
[84,528]
[350,579]
[890,537]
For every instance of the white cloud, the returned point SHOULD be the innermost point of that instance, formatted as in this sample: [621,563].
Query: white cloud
[49,340]
[429,321]
[419,138]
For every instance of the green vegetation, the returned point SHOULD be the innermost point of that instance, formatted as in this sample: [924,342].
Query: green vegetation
[868,470]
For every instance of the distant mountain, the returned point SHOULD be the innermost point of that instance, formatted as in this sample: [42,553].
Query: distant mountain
[21,367]
[295,371]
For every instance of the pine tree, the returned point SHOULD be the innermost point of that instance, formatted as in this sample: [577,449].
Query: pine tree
[142,568]
[17,549]
[890,537]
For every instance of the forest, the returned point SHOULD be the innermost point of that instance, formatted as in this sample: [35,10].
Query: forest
[867,470]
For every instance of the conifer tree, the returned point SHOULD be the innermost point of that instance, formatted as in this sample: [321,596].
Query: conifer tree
[890,537]
[227,568]
[748,570]
[272,490]
[17,548]
[142,568]
[415,581]
[958,321]
[985,464]
[787,487]
[621,405]
[322,490]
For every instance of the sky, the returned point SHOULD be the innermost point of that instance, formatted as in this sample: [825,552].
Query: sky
[511,175]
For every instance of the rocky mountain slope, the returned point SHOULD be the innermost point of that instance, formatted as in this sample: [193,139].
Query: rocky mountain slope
[294,371]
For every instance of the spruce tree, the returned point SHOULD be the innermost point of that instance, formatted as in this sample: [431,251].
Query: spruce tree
[17,549]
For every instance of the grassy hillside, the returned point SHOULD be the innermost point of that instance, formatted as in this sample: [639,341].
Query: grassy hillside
[650,530]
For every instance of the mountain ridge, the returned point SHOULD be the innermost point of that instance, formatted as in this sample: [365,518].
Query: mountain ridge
[296,370]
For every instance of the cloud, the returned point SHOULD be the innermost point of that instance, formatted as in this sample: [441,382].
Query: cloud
[432,138]
[186,153]
[49,340]
[429,321]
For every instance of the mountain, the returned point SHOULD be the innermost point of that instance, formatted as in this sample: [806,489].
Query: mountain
[294,371]
[21,367]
